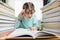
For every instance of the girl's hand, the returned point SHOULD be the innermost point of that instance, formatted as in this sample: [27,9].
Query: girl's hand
[21,14]
[34,28]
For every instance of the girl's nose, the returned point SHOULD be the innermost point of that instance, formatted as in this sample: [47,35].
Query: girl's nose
[29,15]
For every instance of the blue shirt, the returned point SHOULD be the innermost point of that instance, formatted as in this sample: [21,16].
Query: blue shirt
[27,22]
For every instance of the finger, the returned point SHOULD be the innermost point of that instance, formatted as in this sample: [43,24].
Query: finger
[34,28]
[23,10]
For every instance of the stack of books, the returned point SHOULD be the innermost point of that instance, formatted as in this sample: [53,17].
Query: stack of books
[7,16]
[51,15]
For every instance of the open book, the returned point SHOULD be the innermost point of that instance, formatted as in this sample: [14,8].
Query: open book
[28,33]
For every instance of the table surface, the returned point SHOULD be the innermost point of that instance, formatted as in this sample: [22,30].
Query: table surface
[32,39]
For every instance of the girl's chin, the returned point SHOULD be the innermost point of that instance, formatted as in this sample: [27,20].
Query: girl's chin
[29,17]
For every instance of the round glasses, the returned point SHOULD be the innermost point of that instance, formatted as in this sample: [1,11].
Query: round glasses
[30,11]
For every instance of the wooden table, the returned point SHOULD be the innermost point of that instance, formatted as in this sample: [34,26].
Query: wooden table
[33,39]
[6,33]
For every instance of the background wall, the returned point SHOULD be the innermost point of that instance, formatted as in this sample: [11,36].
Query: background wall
[11,3]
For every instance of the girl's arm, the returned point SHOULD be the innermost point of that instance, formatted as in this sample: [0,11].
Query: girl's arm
[21,15]
[35,23]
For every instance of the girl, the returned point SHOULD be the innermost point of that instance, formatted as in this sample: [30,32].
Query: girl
[27,18]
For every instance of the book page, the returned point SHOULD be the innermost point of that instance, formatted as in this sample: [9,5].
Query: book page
[21,31]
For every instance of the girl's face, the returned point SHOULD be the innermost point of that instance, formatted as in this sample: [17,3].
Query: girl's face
[29,13]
